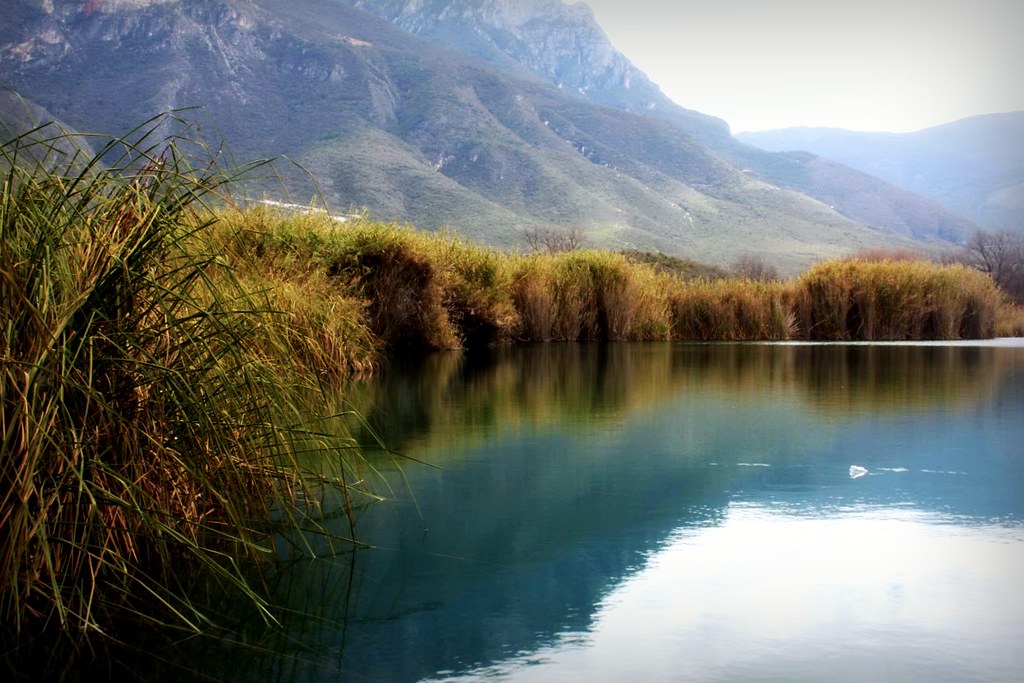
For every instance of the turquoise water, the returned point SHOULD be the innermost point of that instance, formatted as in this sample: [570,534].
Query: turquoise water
[681,512]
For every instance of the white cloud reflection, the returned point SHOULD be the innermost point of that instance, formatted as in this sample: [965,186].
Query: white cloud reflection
[894,594]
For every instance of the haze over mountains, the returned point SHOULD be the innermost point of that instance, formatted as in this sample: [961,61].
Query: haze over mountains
[496,117]
[974,167]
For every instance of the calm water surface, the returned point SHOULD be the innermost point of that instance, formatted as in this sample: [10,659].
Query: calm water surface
[681,512]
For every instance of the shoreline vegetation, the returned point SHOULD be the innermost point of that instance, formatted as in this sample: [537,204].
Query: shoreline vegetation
[163,367]
[389,289]
[159,455]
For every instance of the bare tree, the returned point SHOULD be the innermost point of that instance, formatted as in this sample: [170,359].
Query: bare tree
[1001,255]
[532,236]
[554,241]
[754,267]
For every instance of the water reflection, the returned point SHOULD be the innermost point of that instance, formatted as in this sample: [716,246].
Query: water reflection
[614,511]
[454,399]
[756,599]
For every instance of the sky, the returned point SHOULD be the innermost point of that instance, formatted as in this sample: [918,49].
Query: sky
[870,65]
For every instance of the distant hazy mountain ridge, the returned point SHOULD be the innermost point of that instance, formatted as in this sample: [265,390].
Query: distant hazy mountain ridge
[974,166]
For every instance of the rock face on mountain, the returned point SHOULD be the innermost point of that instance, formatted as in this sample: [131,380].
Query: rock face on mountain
[420,133]
[563,44]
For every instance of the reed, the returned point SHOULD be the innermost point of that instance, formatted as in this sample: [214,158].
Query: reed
[421,291]
[476,285]
[150,445]
[730,310]
[576,315]
[1010,320]
[901,300]
[588,296]
[392,273]
[323,326]
[533,295]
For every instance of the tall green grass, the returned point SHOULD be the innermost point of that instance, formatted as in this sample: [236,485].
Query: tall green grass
[1010,321]
[287,260]
[408,290]
[383,267]
[151,438]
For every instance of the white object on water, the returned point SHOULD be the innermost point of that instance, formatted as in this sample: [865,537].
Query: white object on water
[856,471]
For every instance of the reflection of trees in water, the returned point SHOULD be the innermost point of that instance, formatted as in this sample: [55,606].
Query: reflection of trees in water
[453,400]
[868,378]
[456,399]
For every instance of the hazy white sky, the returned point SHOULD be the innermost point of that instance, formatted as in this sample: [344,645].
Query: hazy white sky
[895,65]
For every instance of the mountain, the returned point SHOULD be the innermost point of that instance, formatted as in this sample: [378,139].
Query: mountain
[418,132]
[974,166]
[563,45]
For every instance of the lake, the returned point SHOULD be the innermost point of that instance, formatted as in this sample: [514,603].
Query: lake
[714,512]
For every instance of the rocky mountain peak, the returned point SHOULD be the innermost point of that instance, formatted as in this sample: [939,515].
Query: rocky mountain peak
[562,44]
[510,13]
[53,30]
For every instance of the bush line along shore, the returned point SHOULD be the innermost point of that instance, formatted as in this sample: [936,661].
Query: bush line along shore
[362,288]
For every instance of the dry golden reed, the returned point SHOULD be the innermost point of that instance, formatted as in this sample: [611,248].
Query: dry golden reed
[438,291]
[151,435]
